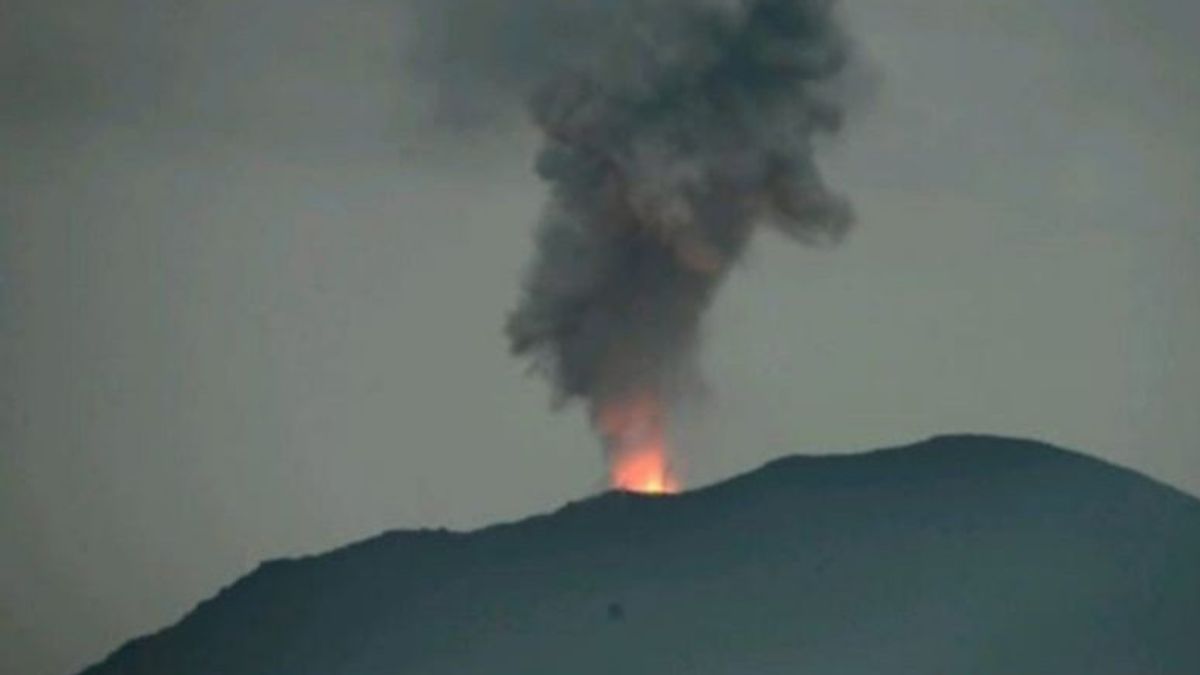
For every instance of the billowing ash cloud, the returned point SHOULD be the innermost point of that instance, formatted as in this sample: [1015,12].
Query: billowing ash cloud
[671,128]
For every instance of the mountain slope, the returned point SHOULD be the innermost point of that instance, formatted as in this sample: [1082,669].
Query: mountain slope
[957,555]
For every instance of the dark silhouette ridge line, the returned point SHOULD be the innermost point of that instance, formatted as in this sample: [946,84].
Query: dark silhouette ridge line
[899,454]
[926,503]
[939,443]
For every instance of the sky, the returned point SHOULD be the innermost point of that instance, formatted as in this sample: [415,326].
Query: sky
[253,284]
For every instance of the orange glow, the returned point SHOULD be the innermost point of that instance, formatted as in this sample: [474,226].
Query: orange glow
[634,430]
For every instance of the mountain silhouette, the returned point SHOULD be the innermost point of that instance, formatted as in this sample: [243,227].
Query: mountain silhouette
[958,555]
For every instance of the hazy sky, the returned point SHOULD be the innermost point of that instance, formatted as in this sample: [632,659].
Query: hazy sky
[251,300]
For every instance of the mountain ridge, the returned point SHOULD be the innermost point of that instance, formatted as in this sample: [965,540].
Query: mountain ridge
[931,514]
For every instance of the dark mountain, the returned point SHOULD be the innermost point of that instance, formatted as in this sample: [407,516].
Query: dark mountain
[957,555]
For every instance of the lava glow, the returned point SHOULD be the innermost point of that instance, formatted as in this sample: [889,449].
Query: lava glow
[634,431]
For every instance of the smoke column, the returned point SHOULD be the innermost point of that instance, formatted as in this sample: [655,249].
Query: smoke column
[671,129]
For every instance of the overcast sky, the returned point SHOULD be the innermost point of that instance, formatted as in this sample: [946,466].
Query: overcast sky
[251,295]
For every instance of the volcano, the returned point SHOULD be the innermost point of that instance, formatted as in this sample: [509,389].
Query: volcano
[962,554]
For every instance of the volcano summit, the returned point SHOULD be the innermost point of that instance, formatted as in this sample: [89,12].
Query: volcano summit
[960,554]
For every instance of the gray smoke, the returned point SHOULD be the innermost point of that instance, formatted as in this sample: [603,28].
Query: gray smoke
[671,128]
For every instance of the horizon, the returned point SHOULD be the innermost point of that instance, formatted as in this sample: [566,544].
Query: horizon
[1016,507]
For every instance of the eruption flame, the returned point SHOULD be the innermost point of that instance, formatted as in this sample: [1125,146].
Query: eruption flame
[635,436]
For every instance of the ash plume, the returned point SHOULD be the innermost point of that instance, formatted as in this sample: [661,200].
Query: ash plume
[671,129]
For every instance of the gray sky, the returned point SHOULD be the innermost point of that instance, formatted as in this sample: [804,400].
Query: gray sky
[251,303]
